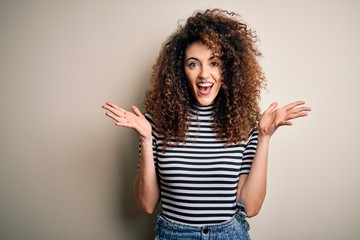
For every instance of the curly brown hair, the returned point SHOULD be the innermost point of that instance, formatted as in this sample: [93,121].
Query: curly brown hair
[237,109]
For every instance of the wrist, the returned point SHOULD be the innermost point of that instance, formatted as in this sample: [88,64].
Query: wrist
[264,137]
[145,140]
[265,131]
[145,136]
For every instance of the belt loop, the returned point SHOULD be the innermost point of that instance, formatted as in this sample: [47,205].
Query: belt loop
[241,206]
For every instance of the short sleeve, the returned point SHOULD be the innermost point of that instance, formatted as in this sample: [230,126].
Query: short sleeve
[154,142]
[249,152]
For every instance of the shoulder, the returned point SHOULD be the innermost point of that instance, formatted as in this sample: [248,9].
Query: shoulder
[151,121]
[148,117]
[253,136]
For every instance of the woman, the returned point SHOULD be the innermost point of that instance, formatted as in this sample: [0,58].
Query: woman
[204,144]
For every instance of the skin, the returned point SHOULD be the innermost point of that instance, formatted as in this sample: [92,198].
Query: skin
[199,66]
[203,71]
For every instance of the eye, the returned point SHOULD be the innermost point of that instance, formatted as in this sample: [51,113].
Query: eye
[192,65]
[214,64]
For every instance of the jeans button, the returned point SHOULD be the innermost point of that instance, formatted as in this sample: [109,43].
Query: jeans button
[205,231]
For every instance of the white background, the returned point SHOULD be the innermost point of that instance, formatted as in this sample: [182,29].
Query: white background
[66,171]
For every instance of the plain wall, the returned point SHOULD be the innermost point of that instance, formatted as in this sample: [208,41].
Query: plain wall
[66,171]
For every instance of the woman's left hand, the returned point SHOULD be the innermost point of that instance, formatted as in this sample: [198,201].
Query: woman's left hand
[273,118]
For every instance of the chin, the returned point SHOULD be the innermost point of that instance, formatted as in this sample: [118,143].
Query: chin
[205,103]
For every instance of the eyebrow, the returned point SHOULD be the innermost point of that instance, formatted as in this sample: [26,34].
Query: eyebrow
[196,59]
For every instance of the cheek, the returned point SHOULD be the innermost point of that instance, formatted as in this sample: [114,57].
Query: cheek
[217,74]
[187,73]
[190,76]
[189,81]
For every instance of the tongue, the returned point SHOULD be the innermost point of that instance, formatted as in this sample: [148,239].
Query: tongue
[204,90]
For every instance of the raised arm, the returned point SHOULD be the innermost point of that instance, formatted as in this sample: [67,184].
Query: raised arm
[146,187]
[252,187]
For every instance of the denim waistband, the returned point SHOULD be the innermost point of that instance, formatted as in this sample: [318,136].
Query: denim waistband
[240,215]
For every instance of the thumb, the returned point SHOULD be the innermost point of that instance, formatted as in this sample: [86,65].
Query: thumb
[136,111]
[271,107]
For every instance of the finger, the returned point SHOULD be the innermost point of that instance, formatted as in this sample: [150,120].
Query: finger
[122,112]
[300,109]
[303,111]
[271,107]
[136,111]
[287,123]
[296,115]
[115,109]
[110,107]
[294,104]
[116,112]
[125,123]
[106,106]
[113,116]
[114,106]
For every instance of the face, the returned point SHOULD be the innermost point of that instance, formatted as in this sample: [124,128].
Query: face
[203,73]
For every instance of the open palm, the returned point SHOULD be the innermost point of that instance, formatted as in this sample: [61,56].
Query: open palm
[135,119]
[273,118]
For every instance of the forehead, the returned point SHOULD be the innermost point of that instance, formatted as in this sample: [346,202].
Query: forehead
[198,49]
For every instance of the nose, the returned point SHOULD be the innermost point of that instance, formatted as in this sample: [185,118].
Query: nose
[204,73]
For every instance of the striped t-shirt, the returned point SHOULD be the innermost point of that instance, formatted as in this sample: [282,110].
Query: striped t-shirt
[198,179]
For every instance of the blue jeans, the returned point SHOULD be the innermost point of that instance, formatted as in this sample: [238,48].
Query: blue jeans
[235,228]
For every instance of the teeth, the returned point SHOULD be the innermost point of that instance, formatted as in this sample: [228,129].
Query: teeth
[205,84]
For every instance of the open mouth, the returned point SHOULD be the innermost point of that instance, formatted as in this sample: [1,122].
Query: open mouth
[205,88]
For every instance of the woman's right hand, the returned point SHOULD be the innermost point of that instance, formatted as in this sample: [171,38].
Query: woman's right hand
[146,186]
[135,119]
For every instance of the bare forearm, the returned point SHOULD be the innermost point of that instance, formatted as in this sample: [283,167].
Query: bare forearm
[252,188]
[253,191]
[146,186]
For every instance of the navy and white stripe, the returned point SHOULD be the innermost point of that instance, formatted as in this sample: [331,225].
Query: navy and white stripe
[198,179]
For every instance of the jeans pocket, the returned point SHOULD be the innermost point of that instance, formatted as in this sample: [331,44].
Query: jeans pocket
[245,225]
[156,227]
[238,232]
